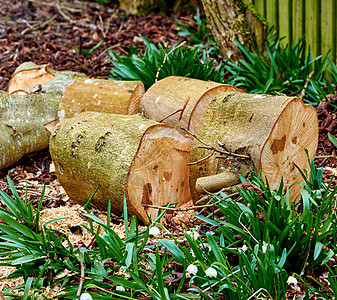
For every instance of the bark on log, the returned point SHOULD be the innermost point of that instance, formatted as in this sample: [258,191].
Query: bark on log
[24,113]
[22,117]
[272,131]
[172,99]
[96,150]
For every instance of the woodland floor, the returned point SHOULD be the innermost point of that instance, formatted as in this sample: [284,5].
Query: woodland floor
[52,33]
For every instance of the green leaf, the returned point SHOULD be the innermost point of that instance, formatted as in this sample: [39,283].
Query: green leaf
[174,249]
[332,139]
[129,253]
[27,288]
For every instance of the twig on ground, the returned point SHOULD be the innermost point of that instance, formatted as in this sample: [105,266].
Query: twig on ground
[33,28]
[306,85]
[66,17]
[81,280]
[325,156]
[166,56]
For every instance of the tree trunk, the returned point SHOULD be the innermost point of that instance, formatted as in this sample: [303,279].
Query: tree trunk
[235,20]
[112,152]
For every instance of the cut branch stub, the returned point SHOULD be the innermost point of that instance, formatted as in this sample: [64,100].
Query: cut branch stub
[272,130]
[172,99]
[117,97]
[96,150]
[159,172]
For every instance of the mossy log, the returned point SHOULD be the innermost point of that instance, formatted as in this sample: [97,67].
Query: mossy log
[171,100]
[245,132]
[23,114]
[111,152]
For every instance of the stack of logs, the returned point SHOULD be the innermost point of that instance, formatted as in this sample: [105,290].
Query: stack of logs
[180,139]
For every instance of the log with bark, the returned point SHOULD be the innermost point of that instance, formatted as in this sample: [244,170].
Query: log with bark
[172,99]
[238,133]
[33,99]
[115,153]
[110,96]
[23,113]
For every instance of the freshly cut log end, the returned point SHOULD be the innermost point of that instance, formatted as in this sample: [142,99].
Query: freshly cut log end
[271,131]
[159,172]
[109,96]
[171,100]
[296,129]
[29,78]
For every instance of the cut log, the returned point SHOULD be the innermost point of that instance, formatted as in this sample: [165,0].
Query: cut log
[21,124]
[264,133]
[22,116]
[159,172]
[96,150]
[117,97]
[171,100]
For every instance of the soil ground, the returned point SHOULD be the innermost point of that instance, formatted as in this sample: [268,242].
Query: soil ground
[54,33]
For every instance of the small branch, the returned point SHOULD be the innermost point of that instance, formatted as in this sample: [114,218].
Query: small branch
[182,111]
[226,152]
[215,283]
[306,85]
[213,149]
[63,14]
[199,140]
[166,56]
[81,280]
[38,26]
[170,115]
[325,156]
[201,160]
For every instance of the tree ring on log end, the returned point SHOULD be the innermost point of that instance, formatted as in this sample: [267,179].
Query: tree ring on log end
[286,143]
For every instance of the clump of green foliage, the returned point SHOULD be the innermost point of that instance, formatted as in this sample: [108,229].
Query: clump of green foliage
[289,69]
[253,246]
[161,61]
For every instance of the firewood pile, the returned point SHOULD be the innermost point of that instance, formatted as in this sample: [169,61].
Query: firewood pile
[175,142]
